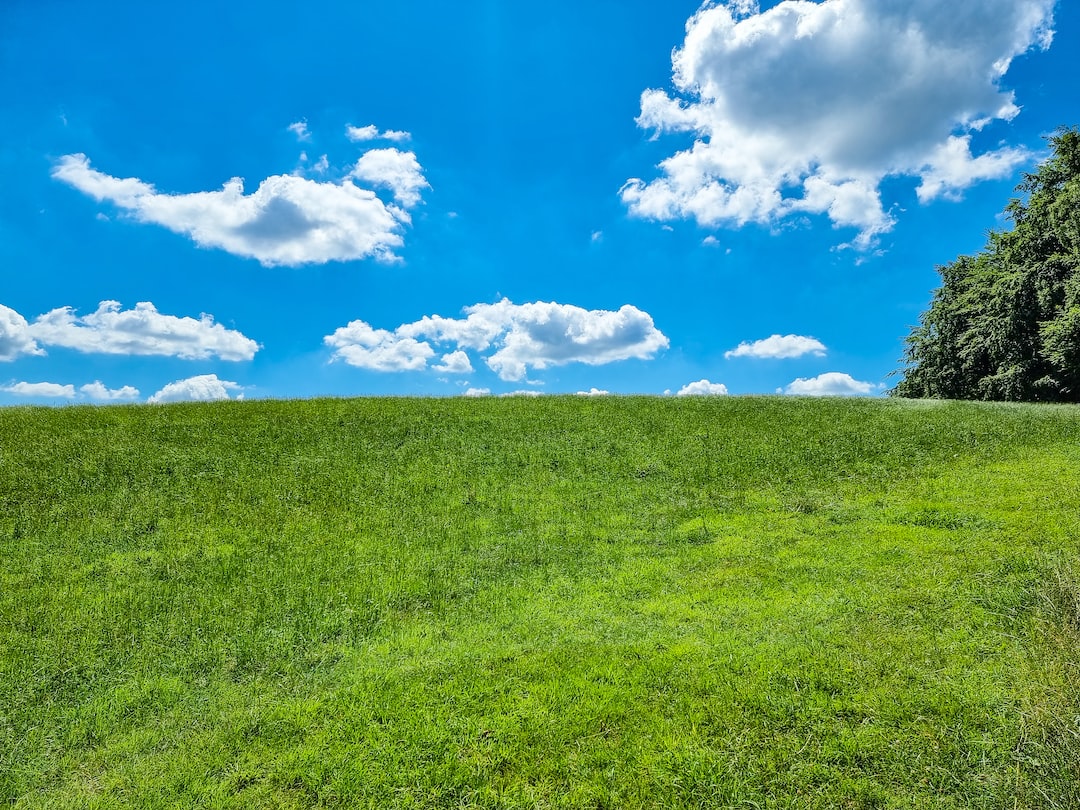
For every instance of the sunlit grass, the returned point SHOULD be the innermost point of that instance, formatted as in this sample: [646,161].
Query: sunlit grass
[562,602]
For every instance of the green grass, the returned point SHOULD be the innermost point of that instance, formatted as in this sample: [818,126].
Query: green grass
[556,602]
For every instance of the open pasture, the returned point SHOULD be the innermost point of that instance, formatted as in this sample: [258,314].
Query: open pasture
[558,602]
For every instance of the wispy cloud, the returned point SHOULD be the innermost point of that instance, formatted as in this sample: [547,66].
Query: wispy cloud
[300,130]
[372,133]
[829,98]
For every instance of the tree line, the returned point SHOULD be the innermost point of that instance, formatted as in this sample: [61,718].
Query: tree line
[1005,323]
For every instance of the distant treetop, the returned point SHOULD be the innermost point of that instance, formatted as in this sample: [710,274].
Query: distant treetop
[1005,323]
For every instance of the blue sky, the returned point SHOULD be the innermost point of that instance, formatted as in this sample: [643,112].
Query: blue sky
[269,199]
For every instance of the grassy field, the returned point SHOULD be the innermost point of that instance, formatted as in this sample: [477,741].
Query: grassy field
[557,602]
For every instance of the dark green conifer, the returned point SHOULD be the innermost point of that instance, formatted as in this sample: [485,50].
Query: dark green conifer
[1005,323]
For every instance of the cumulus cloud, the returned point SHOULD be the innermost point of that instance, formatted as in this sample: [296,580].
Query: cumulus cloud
[593,392]
[779,347]
[395,170]
[140,331]
[372,133]
[516,337]
[455,363]
[540,335]
[832,383]
[703,388]
[807,107]
[43,389]
[477,392]
[203,388]
[358,344]
[288,220]
[16,338]
[97,391]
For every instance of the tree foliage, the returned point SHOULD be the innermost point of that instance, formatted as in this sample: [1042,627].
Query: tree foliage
[1005,323]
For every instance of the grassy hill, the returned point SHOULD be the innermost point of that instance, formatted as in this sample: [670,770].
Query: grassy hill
[555,602]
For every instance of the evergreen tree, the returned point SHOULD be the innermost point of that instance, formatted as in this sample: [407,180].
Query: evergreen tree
[1005,323]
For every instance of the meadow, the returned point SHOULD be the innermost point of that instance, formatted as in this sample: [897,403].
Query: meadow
[562,602]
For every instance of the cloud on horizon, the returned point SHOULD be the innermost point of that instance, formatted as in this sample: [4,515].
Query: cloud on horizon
[523,336]
[703,388]
[202,388]
[830,384]
[779,347]
[808,107]
[99,392]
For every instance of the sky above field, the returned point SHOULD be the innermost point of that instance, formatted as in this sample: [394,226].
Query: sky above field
[265,199]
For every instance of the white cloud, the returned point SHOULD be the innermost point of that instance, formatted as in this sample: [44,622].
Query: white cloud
[477,392]
[372,133]
[300,130]
[16,338]
[522,336]
[593,392]
[203,388]
[703,388]
[368,133]
[549,334]
[523,393]
[779,347]
[393,169]
[540,335]
[97,391]
[141,331]
[42,389]
[951,168]
[288,220]
[455,363]
[807,107]
[358,344]
[832,383]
